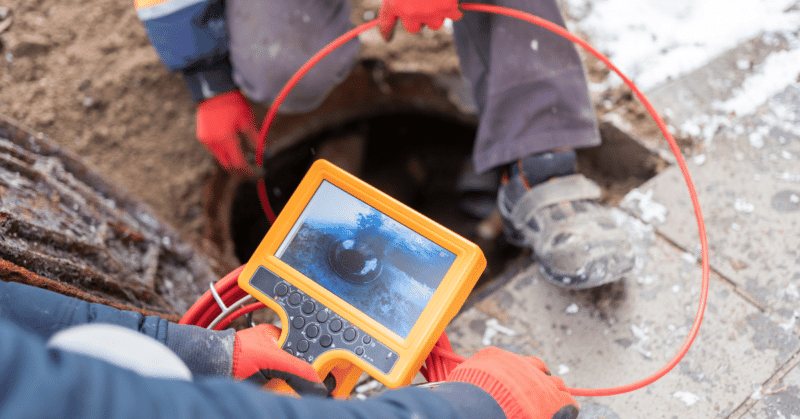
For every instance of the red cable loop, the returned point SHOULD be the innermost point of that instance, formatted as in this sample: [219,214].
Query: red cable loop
[437,368]
[239,313]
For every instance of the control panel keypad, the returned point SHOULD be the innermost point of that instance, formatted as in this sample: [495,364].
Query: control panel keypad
[315,329]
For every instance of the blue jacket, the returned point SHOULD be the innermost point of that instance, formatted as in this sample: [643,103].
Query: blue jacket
[191,36]
[38,382]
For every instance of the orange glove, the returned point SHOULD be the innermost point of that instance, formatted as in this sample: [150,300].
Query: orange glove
[219,120]
[257,358]
[415,13]
[522,386]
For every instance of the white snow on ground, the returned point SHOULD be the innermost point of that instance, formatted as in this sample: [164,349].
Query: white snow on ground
[687,397]
[653,40]
[776,72]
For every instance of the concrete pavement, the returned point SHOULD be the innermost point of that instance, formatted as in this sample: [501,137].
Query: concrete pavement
[744,363]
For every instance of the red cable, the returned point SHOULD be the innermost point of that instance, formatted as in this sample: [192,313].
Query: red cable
[661,125]
[239,313]
[273,110]
[200,308]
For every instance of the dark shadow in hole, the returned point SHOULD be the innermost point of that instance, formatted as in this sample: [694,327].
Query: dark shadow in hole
[416,158]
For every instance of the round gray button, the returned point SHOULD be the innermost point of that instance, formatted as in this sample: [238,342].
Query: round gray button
[322,316]
[302,345]
[295,298]
[335,325]
[308,307]
[312,331]
[359,351]
[349,334]
[298,322]
[325,340]
[281,289]
[289,351]
[367,339]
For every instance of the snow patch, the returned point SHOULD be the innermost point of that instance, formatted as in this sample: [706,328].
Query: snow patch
[740,205]
[779,70]
[699,159]
[689,398]
[652,41]
[493,328]
[647,280]
[643,202]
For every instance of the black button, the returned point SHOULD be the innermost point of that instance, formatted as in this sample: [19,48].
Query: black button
[295,298]
[367,339]
[281,289]
[325,340]
[336,325]
[312,331]
[350,334]
[308,307]
[359,351]
[302,345]
[322,316]
[289,351]
[298,322]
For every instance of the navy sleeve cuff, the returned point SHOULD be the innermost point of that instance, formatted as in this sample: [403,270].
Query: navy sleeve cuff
[470,400]
[205,352]
[210,81]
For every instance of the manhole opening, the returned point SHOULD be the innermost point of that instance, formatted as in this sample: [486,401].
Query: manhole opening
[417,158]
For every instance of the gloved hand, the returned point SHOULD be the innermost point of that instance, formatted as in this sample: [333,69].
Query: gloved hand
[415,13]
[521,385]
[219,120]
[257,358]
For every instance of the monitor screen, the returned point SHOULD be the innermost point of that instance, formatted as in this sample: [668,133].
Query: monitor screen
[376,264]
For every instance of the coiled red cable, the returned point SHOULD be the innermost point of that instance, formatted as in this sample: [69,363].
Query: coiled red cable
[442,359]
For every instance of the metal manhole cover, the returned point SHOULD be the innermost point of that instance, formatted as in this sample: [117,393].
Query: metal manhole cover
[64,228]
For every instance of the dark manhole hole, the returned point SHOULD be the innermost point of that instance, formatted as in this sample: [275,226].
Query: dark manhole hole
[417,158]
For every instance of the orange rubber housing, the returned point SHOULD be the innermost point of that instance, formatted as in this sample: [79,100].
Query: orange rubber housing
[444,304]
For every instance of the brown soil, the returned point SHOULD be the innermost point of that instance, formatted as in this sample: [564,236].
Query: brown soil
[84,74]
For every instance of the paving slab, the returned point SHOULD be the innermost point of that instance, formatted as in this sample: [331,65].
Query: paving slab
[748,182]
[781,400]
[622,332]
[692,99]
[744,361]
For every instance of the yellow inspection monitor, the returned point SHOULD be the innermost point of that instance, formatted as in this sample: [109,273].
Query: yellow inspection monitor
[359,279]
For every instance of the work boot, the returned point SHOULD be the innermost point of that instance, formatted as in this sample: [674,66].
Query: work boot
[547,207]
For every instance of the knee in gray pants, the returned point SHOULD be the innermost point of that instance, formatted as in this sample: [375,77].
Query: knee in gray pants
[271,39]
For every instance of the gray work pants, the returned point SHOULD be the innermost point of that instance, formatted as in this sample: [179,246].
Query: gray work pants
[529,83]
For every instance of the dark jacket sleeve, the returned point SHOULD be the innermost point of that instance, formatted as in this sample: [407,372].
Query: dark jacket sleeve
[40,382]
[43,312]
[191,36]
